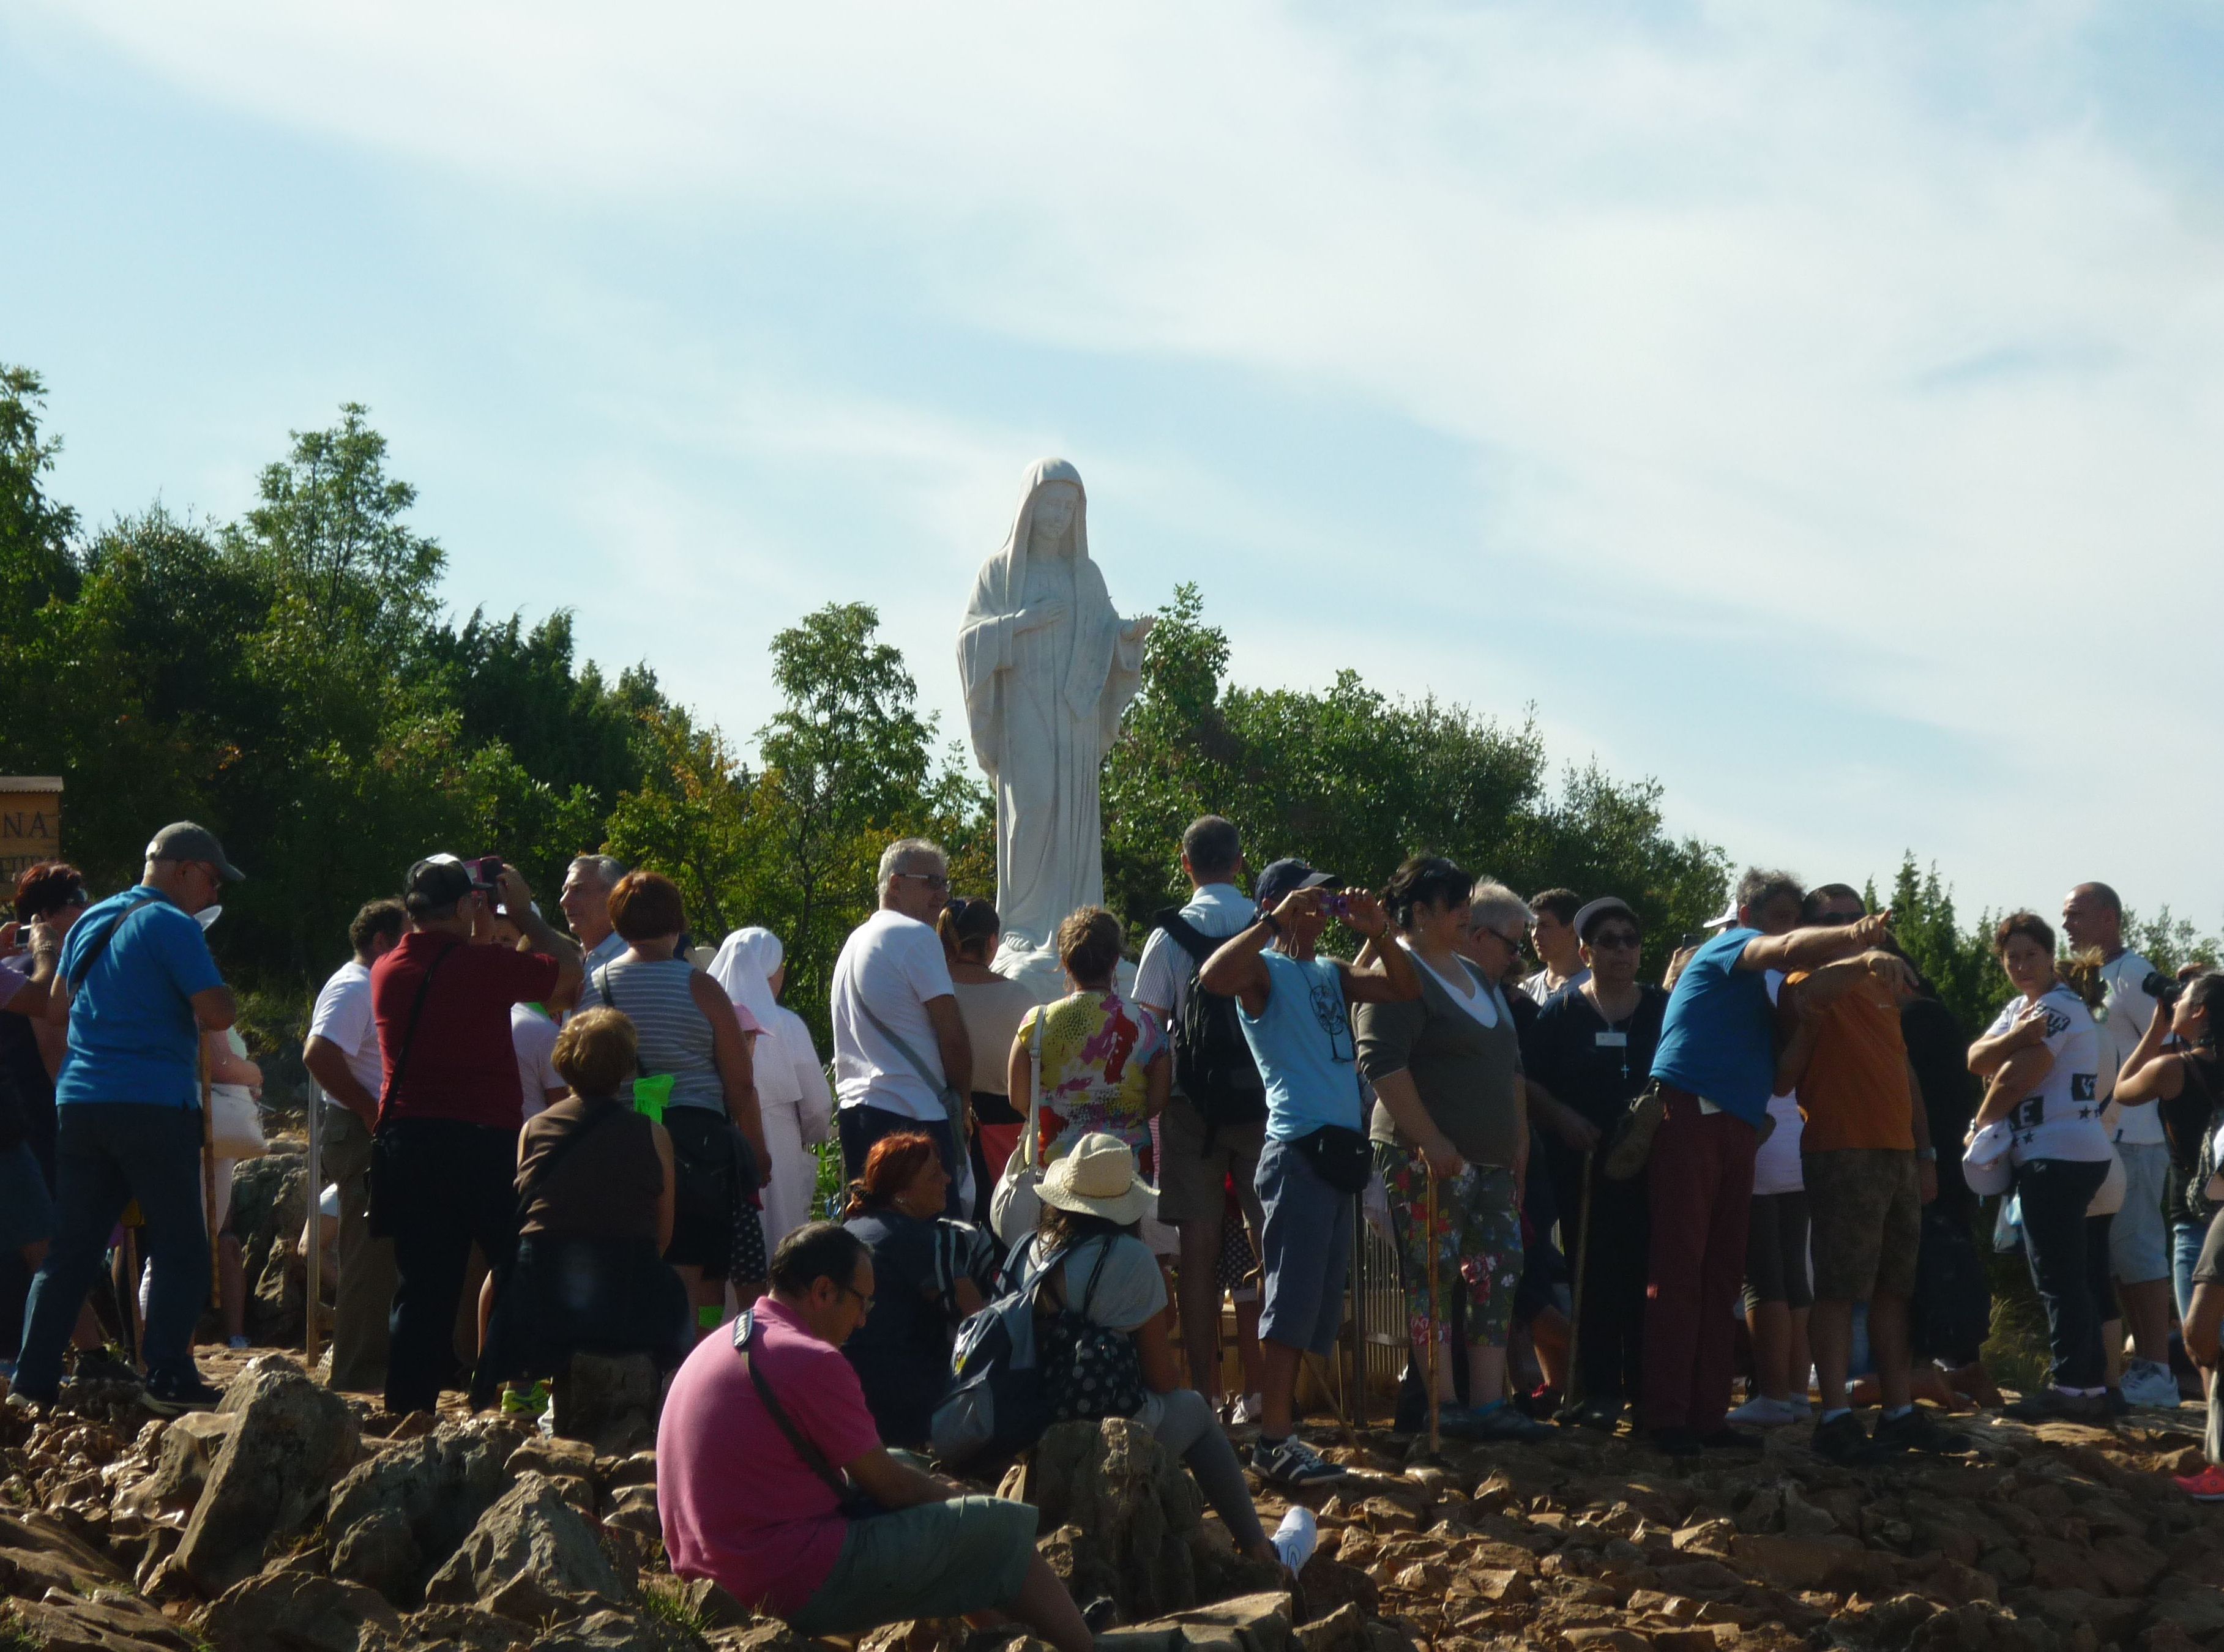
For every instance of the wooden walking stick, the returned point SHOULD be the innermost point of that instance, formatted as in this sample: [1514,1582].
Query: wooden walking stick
[208,1177]
[1583,1258]
[1430,1250]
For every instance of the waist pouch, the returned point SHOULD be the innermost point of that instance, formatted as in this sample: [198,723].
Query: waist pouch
[1343,1159]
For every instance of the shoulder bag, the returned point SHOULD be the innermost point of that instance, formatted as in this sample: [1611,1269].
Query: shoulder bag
[1016,1207]
[851,1503]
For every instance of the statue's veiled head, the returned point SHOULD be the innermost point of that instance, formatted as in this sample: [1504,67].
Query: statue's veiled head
[1051,521]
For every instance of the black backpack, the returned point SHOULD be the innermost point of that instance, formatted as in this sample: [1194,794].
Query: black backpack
[1213,1065]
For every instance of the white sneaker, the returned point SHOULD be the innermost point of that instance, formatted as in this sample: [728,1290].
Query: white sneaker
[1762,1412]
[2150,1385]
[1247,1410]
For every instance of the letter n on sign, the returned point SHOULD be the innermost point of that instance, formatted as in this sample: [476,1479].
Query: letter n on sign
[30,822]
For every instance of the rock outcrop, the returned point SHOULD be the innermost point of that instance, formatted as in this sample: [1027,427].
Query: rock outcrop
[292,1439]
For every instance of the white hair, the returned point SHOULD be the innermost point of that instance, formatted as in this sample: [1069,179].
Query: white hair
[910,854]
[1496,906]
[607,868]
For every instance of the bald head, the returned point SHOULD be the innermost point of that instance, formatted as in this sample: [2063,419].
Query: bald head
[2093,916]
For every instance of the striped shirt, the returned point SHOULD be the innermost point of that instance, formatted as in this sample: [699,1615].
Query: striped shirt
[675,1037]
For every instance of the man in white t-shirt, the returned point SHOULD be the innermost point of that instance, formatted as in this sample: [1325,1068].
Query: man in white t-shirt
[2139,1237]
[342,1056]
[899,1044]
[533,1036]
[1195,1163]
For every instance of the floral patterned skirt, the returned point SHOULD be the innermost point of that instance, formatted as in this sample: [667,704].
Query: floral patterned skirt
[1477,1237]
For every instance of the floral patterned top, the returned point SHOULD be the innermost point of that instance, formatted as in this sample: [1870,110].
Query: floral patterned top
[1096,1051]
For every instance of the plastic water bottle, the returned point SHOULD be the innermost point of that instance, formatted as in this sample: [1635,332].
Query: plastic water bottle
[1296,1537]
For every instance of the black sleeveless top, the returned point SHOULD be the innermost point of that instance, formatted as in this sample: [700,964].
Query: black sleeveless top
[2185,1120]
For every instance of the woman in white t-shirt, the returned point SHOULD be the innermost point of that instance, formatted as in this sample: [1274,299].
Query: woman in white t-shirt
[2041,1059]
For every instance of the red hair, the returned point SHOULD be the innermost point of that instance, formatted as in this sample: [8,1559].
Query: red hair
[889,1169]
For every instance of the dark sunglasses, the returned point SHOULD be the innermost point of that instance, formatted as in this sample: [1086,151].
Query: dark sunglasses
[1616,938]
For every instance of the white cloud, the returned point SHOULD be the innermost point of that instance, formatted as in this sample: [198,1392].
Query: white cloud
[1847,335]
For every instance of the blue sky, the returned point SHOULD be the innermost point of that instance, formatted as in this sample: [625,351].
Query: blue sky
[1819,408]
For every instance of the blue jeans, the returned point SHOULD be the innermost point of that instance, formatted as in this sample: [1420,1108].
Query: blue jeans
[2185,1239]
[107,1154]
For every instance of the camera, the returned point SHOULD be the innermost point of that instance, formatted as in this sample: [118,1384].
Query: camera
[486,871]
[1336,905]
[2163,989]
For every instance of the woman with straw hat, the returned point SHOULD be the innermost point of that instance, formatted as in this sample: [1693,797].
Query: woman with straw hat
[1104,1339]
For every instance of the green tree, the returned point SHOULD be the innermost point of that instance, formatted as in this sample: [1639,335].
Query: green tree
[36,532]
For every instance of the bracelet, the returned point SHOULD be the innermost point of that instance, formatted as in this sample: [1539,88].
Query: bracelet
[1927,1155]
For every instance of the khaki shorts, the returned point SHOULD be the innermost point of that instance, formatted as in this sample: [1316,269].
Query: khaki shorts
[1192,1177]
[1865,1217]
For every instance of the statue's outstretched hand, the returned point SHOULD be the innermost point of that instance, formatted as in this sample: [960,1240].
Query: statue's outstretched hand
[1136,629]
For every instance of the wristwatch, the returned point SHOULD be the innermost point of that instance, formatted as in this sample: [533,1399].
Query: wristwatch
[1930,1154]
[1273,924]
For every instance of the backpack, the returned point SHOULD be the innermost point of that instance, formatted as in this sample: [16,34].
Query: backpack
[1090,1370]
[1213,1064]
[999,1403]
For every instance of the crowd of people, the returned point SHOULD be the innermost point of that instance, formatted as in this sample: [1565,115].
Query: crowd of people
[1608,1198]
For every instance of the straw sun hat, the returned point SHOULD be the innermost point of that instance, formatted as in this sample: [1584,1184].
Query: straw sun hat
[1098,1178]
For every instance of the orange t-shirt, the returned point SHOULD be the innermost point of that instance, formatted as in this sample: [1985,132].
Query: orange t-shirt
[1855,1092]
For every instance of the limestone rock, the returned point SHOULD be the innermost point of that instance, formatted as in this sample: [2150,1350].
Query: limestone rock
[1257,1623]
[610,1401]
[380,1552]
[760,1635]
[616,1631]
[436,1486]
[66,1623]
[270,1204]
[461,1628]
[283,1610]
[1133,1508]
[186,1452]
[1343,1630]
[293,1439]
[530,1557]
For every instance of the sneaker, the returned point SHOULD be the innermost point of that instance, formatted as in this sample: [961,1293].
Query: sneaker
[2053,1405]
[1675,1443]
[1762,1412]
[1633,1144]
[1843,1440]
[102,1365]
[1495,1422]
[2147,1383]
[168,1393]
[2207,1486]
[2117,1405]
[1728,1439]
[1247,1410]
[525,1401]
[1292,1463]
[1603,1415]
[1917,1431]
[236,1344]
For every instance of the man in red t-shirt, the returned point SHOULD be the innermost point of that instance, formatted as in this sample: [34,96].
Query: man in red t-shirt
[443,1163]
[744,1506]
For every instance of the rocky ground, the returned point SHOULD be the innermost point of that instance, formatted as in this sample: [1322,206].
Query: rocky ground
[295,1519]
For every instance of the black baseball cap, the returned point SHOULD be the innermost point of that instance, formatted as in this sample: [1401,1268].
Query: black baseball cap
[437,882]
[1286,874]
[184,841]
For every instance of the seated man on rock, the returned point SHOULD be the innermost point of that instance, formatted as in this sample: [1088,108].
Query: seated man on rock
[767,1450]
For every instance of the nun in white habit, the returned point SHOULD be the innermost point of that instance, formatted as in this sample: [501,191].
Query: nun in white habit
[1048,666]
[794,1098]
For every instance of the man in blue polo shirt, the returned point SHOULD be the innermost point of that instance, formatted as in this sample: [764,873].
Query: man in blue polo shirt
[1714,1070]
[141,988]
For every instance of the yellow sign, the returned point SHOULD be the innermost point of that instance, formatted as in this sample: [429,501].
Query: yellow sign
[30,823]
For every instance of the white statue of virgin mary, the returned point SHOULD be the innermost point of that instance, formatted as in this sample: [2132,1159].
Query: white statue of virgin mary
[1048,667]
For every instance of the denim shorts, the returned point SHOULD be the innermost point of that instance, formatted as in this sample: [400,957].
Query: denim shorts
[2139,1239]
[1305,1248]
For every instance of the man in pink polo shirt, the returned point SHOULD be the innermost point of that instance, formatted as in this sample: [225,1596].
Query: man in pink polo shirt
[766,1447]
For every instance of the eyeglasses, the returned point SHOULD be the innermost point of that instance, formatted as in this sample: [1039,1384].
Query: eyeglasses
[1617,939]
[864,1297]
[931,879]
[1512,942]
